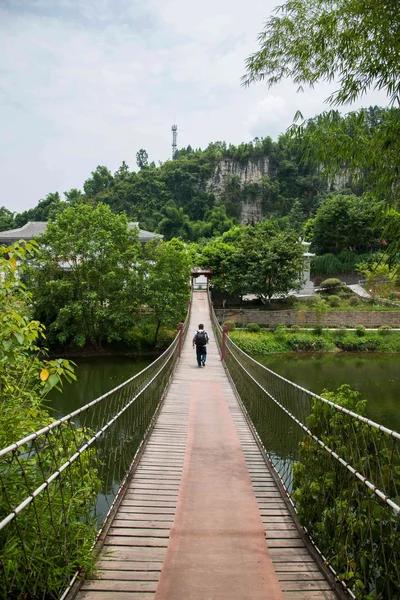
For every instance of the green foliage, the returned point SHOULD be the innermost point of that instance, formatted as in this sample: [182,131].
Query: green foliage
[279,329]
[6,219]
[318,329]
[254,327]
[306,343]
[382,278]
[345,262]
[142,159]
[315,40]
[333,300]
[317,340]
[256,260]
[165,283]
[230,325]
[385,330]
[46,209]
[346,222]
[360,331]
[57,541]
[85,285]
[352,527]
[312,300]
[332,284]
[354,301]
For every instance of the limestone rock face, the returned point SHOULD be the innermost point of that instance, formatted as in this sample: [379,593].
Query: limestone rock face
[245,174]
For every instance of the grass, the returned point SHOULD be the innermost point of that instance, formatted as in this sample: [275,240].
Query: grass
[363,305]
[298,304]
[341,340]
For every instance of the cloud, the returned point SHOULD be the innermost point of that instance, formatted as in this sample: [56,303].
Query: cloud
[88,82]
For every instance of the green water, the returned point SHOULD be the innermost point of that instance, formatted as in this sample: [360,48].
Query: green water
[95,377]
[376,377]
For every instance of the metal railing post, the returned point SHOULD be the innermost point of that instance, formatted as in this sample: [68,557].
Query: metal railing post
[223,346]
[180,332]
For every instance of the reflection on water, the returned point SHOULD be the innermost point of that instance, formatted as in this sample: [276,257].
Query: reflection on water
[376,377]
[95,378]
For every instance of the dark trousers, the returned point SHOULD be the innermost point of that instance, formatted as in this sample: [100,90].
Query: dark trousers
[201,354]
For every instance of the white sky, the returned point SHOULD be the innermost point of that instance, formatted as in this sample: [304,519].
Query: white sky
[89,82]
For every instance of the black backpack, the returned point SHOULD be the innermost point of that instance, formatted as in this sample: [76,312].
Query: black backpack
[201,338]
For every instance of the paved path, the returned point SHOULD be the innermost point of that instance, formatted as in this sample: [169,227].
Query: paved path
[359,290]
[203,518]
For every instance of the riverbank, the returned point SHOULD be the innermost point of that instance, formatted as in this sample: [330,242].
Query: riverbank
[283,340]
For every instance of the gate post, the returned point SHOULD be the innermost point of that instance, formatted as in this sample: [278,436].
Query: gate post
[224,336]
[180,331]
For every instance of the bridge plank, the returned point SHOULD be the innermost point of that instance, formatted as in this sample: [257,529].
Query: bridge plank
[104,585]
[137,540]
[93,595]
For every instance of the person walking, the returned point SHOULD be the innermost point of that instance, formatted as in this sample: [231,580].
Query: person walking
[200,340]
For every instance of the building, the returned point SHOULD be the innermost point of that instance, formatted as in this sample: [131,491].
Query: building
[34,228]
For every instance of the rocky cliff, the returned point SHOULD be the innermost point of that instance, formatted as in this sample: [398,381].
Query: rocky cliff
[250,173]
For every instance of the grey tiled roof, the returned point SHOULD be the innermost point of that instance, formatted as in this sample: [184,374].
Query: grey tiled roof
[34,228]
[26,232]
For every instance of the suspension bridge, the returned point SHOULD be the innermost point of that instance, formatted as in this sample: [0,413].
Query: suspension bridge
[225,482]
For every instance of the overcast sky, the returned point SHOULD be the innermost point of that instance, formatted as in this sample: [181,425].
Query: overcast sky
[89,82]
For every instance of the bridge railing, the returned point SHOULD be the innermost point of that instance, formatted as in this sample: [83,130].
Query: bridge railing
[341,472]
[59,484]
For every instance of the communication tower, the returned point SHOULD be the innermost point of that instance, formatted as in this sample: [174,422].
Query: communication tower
[174,130]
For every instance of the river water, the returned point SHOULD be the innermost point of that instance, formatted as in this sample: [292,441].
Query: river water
[377,377]
[95,377]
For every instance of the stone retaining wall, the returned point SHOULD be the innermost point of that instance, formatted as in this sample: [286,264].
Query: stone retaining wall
[368,318]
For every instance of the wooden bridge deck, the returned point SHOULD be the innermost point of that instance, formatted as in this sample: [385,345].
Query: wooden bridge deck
[136,565]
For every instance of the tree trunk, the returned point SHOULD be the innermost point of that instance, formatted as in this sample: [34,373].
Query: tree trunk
[156,333]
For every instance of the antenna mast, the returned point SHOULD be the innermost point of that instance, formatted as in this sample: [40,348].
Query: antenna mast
[174,130]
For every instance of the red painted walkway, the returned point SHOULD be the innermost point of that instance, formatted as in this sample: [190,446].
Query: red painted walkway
[217,545]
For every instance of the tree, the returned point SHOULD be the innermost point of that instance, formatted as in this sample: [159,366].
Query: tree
[6,219]
[175,223]
[86,285]
[74,196]
[257,259]
[166,277]
[353,528]
[346,222]
[272,261]
[220,256]
[100,181]
[46,209]
[356,41]
[142,159]
[57,540]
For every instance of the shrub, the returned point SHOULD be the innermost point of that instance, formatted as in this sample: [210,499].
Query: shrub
[254,327]
[302,343]
[318,329]
[358,345]
[340,333]
[385,330]
[231,325]
[332,284]
[333,301]
[325,495]
[278,327]
[360,331]
[312,300]
[354,300]
[295,328]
